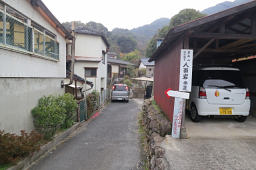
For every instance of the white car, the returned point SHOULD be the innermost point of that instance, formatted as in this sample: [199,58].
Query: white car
[218,91]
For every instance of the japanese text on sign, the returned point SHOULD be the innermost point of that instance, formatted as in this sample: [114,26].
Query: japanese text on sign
[186,64]
[177,117]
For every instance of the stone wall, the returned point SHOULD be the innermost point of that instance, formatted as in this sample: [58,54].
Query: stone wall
[157,126]
[138,93]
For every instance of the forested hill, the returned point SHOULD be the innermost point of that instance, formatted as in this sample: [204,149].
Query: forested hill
[223,6]
[148,31]
[144,33]
[124,40]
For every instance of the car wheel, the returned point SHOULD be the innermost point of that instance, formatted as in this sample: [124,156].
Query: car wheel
[240,118]
[127,101]
[194,114]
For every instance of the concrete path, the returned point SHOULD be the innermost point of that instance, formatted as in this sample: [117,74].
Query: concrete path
[214,144]
[110,142]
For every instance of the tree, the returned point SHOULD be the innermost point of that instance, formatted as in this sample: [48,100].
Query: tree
[182,17]
[126,44]
[68,25]
[133,57]
[152,44]
[97,27]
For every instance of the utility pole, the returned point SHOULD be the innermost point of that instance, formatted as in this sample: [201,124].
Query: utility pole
[72,51]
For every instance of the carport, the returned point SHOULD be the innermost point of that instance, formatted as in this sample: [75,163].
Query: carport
[228,37]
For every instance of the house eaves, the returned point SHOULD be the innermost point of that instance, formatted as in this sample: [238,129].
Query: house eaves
[90,59]
[46,13]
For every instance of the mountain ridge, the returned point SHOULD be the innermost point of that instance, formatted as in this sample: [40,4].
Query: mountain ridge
[223,6]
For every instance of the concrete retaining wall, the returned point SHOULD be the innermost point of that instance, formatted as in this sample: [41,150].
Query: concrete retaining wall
[19,96]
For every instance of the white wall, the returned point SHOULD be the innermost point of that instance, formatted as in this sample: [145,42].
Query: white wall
[15,64]
[89,46]
[25,78]
[142,66]
[150,71]
[101,73]
[19,96]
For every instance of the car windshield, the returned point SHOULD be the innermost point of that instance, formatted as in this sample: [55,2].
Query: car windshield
[120,88]
[221,78]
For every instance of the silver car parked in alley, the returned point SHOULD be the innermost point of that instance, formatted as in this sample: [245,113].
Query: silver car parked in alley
[120,92]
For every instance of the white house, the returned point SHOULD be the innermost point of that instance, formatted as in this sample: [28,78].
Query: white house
[33,60]
[91,59]
[149,66]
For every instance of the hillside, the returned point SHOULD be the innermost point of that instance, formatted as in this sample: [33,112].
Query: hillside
[144,33]
[149,30]
[124,41]
[223,6]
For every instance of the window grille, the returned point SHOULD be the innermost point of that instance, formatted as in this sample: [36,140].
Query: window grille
[51,47]
[20,35]
[38,42]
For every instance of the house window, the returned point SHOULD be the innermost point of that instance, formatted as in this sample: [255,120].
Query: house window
[18,34]
[103,57]
[90,72]
[51,48]
[15,32]
[38,42]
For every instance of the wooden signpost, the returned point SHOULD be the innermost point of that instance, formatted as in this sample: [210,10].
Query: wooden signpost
[185,81]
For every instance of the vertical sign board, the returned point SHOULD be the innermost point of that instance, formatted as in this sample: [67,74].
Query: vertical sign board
[177,117]
[186,64]
[185,81]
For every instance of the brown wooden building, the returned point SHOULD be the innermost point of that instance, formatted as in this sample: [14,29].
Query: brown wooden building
[216,39]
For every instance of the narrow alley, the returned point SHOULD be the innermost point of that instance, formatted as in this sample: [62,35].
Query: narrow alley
[109,142]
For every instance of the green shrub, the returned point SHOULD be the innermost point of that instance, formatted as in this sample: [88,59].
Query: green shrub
[92,101]
[14,147]
[128,82]
[48,116]
[68,102]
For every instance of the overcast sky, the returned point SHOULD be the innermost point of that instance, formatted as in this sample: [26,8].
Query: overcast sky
[122,13]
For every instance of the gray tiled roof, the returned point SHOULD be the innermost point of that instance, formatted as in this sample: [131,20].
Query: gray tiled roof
[146,63]
[118,61]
